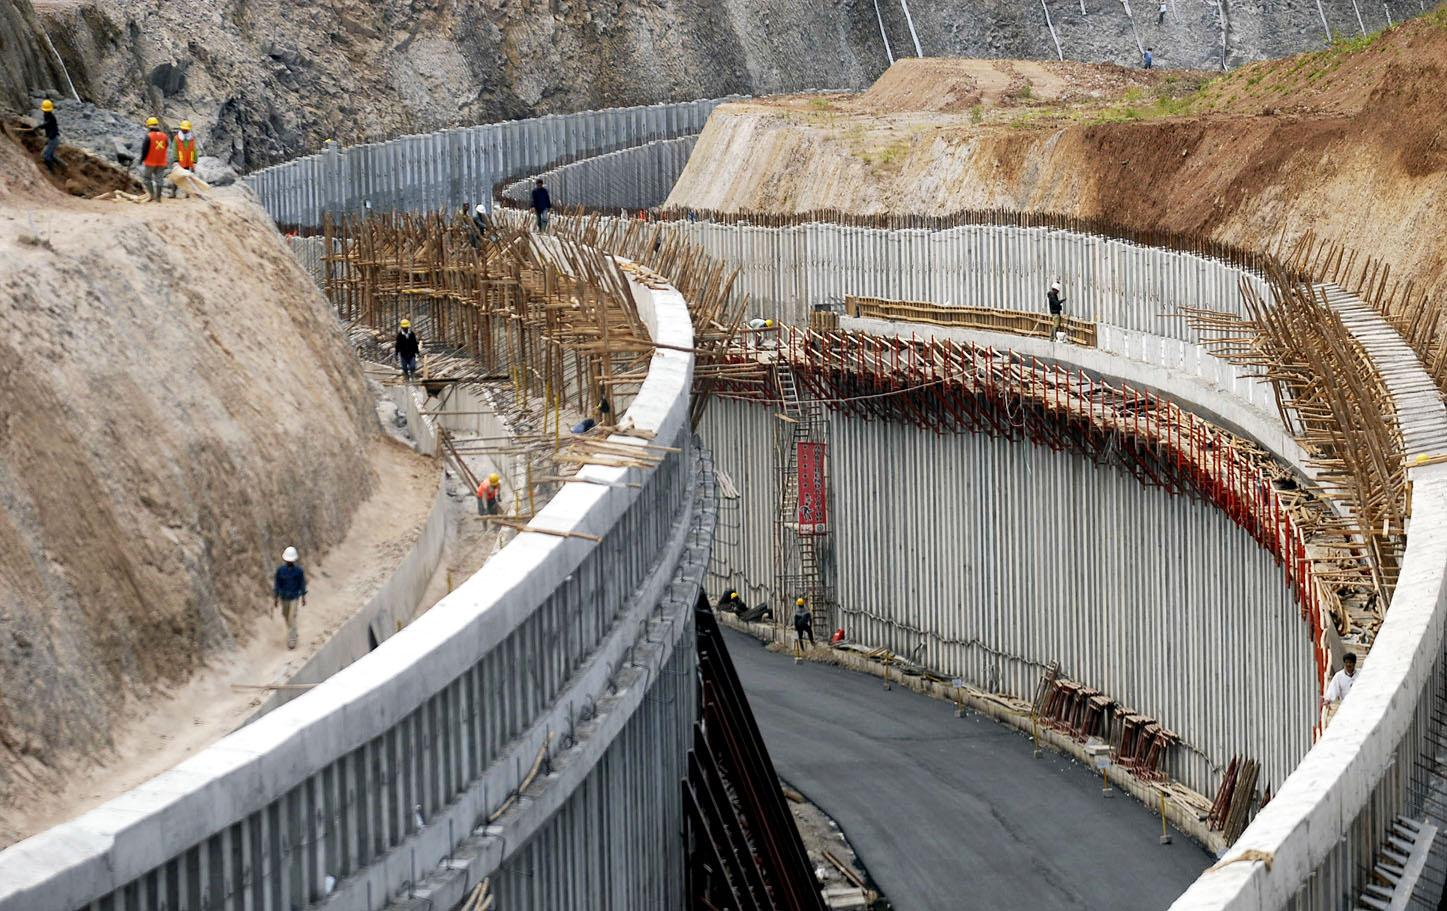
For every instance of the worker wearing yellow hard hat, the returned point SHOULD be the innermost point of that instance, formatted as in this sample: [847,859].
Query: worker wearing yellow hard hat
[156,158]
[803,622]
[406,348]
[51,126]
[185,141]
[487,493]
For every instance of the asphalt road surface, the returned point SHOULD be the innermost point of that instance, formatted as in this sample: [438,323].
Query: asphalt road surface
[954,813]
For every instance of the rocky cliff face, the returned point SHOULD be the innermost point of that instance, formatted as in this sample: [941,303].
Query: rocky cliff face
[25,62]
[267,79]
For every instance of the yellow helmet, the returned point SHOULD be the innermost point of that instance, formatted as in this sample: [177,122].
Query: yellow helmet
[46,105]
[768,323]
[799,601]
[185,124]
[406,324]
[493,478]
[152,122]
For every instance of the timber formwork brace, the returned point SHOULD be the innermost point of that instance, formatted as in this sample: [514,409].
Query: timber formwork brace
[948,387]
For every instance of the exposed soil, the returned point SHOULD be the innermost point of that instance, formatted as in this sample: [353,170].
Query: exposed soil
[154,734]
[80,173]
[180,405]
[1347,142]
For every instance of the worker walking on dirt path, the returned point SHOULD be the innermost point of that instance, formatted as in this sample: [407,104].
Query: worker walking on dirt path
[157,156]
[185,150]
[1340,685]
[542,204]
[51,126]
[289,588]
[407,347]
[803,623]
[487,493]
[1056,300]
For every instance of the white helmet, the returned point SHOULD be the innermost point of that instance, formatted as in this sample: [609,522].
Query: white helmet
[481,209]
[1055,287]
[289,555]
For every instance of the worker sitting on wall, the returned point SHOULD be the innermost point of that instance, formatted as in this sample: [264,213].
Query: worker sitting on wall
[731,602]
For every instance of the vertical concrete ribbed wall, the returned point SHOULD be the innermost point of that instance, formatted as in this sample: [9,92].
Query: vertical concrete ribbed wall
[787,271]
[457,169]
[987,559]
[636,178]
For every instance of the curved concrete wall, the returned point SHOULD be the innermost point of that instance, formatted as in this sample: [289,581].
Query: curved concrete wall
[457,169]
[986,559]
[374,776]
[629,179]
[787,271]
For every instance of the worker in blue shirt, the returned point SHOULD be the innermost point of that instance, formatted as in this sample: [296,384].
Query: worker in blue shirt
[289,589]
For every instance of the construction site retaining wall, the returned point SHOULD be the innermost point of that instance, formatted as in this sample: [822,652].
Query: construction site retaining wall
[636,178]
[534,674]
[986,559]
[457,169]
[787,272]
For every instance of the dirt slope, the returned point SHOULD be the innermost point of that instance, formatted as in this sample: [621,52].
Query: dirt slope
[1347,142]
[179,406]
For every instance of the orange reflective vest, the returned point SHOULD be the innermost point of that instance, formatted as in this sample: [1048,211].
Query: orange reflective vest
[156,143]
[486,491]
[186,152]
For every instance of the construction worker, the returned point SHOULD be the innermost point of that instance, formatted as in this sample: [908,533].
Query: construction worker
[1150,57]
[289,587]
[1056,299]
[487,493]
[730,601]
[803,623]
[542,204]
[407,347]
[157,156]
[1340,685]
[52,135]
[481,226]
[185,150]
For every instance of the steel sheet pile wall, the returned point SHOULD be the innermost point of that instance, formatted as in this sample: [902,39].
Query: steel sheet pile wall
[999,557]
[636,178]
[559,649]
[453,169]
[787,271]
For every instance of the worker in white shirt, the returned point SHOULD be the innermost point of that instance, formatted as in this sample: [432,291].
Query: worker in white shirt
[1340,685]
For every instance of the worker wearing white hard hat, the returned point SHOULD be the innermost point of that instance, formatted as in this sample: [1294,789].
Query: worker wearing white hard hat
[1055,298]
[288,589]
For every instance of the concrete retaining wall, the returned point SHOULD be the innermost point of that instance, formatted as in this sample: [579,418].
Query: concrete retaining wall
[629,179]
[788,271]
[456,169]
[986,559]
[367,781]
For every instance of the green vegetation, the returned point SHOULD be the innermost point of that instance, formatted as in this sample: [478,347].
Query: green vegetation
[977,113]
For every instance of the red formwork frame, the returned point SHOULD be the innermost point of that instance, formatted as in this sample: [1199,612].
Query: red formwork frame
[949,387]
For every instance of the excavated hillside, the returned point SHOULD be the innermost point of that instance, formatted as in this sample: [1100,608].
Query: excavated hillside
[179,405]
[267,79]
[1347,142]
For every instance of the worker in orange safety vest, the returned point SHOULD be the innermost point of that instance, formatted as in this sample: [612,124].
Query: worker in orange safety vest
[487,493]
[156,157]
[185,141]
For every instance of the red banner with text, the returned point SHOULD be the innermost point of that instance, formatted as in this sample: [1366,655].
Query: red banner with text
[811,485]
